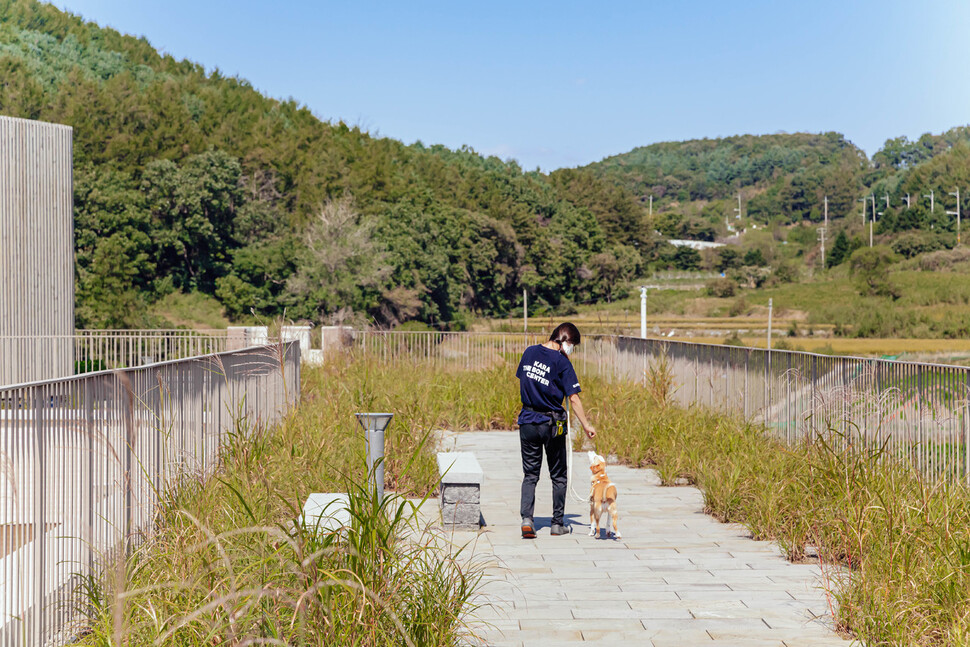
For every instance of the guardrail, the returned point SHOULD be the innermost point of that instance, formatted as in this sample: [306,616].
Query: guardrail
[32,357]
[108,349]
[917,411]
[456,349]
[84,460]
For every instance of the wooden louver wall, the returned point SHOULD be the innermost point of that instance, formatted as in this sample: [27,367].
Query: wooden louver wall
[36,251]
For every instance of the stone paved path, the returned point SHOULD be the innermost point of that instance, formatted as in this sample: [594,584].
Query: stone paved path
[676,578]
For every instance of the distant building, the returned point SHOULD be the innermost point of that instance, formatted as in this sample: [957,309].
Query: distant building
[695,244]
[36,251]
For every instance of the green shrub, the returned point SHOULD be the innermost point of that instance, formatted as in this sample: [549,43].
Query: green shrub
[870,266]
[413,326]
[722,288]
[914,243]
[944,259]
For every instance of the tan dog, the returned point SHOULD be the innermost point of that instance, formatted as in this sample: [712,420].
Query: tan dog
[602,498]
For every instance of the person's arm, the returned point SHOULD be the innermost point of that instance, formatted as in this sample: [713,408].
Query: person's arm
[577,408]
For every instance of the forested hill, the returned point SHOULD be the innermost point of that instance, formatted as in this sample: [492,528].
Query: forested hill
[189,181]
[193,181]
[776,174]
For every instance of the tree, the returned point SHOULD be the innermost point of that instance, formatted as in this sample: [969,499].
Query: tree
[870,266]
[687,258]
[611,270]
[340,266]
[840,250]
[727,258]
[193,208]
[754,258]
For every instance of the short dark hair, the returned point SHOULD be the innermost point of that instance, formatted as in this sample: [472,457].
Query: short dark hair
[565,332]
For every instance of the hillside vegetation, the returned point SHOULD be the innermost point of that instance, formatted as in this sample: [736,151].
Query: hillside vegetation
[193,181]
[193,188]
[789,173]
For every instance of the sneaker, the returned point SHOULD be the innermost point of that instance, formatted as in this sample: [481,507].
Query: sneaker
[528,529]
[558,529]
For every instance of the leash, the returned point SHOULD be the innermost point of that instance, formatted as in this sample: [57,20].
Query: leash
[569,454]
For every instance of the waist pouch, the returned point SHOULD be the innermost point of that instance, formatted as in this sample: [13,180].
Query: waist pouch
[559,419]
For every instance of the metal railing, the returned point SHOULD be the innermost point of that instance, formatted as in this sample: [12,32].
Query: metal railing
[109,349]
[32,357]
[916,411]
[913,410]
[453,349]
[85,459]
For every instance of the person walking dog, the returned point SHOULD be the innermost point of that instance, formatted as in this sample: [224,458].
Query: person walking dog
[546,376]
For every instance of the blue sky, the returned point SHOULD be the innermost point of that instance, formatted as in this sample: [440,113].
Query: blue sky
[566,83]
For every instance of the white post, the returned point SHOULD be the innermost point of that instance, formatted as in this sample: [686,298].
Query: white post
[821,236]
[769,323]
[825,230]
[956,213]
[643,312]
[525,310]
[651,205]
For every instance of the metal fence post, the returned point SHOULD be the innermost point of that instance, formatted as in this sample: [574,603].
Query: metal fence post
[815,398]
[87,481]
[788,415]
[966,421]
[744,393]
[919,420]
[38,633]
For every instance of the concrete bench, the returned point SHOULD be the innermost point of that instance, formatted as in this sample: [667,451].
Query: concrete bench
[461,490]
[326,512]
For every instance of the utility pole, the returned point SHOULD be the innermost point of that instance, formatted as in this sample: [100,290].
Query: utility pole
[525,310]
[824,229]
[873,219]
[651,205]
[821,237]
[956,213]
[887,200]
[908,204]
[932,203]
[643,312]
[738,208]
[769,324]
[863,201]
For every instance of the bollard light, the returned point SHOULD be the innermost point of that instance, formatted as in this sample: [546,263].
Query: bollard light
[374,425]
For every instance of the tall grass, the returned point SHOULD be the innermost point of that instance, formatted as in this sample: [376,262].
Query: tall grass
[897,549]
[227,565]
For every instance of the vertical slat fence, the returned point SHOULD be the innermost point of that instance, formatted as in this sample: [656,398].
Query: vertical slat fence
[85,459]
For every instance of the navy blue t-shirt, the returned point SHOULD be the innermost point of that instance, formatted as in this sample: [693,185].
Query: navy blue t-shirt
[545,377]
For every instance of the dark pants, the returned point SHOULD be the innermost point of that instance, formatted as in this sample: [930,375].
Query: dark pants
[533,438]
